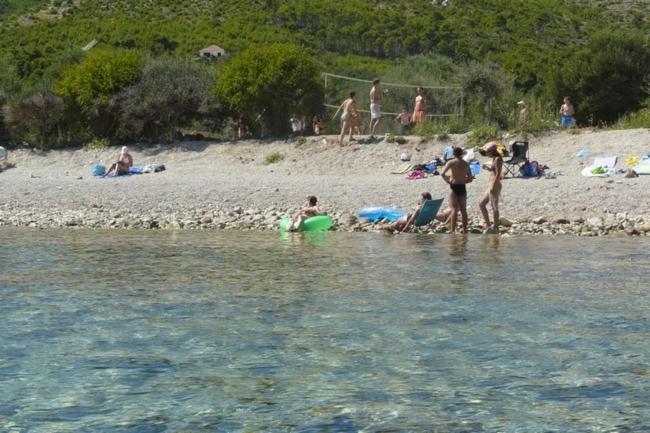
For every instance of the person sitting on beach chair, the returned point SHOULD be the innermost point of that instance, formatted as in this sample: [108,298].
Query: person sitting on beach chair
[123,164]
[309,209]
[425,212]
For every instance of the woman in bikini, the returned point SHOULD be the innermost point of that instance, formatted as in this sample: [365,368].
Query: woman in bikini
[420,110]
[123,164]
[494,151]
[349,108]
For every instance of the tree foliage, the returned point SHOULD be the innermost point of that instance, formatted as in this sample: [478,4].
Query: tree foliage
[98,76]
[170,94]
[273,82]
[606,79]
[35,119]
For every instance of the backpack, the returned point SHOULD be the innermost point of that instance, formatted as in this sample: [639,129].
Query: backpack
[530,169]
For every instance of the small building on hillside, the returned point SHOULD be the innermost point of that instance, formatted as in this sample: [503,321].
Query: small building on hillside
[212,52]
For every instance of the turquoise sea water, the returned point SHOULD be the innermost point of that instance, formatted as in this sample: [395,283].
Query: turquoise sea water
[250,332]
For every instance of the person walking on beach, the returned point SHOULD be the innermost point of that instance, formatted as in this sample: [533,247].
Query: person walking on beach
[567,112]
[420,110]
[494,151]
[460,175]
[349,109]
[375,110]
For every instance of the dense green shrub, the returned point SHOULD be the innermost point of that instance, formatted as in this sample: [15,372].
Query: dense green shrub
[102,73]
[639,119]
[606,79]
[483,133]
[271,83]
[273,158]
[35,119]
[170,94]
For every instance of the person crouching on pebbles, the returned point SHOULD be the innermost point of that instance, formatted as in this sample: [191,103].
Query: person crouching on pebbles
[460,176]
[309,209]
[494,151]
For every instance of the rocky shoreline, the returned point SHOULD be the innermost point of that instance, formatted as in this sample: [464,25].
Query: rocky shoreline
[237,218]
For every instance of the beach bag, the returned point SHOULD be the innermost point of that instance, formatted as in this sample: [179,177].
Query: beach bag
[530,169]
[98,170]
[448,153]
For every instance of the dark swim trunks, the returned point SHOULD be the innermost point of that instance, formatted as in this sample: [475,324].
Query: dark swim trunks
[459,189]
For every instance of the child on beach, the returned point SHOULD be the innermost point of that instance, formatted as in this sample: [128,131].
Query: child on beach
[403,120]
[309,209]
[296,126]
[318,124]
[459,177]
[567,112]
[494,151]
[404,223]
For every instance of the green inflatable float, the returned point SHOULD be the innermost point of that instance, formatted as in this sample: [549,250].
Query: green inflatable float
[318,223]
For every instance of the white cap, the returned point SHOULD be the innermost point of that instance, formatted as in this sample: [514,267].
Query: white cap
[125,149]
[521,102]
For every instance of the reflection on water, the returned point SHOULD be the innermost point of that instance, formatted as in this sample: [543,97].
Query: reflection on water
[327,332]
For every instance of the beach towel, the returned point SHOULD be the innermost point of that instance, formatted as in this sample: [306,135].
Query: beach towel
[417,174]
[404,168]
[428,212]
[642,169]
[601,167]
[605,162]
[597,171]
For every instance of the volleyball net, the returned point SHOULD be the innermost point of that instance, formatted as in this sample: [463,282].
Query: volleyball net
[443,102]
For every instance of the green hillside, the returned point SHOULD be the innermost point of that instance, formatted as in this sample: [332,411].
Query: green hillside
[521,35]
[524,38]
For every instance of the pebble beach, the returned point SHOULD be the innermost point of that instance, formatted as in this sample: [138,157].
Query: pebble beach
[230,186]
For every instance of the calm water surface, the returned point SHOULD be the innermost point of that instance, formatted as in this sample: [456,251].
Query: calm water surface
[236,332]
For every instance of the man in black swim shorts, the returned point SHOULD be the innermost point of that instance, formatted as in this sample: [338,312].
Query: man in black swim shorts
[459,176]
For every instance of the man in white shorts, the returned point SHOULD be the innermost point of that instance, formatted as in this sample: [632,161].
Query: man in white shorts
[375,111]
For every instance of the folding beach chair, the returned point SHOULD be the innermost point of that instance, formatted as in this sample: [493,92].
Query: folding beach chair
[519,158]
[428,212]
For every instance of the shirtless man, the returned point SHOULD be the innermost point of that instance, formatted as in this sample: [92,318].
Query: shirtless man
[123,164]
[420,110]
[567,112]
[460,176]
[375,111]
[349,108]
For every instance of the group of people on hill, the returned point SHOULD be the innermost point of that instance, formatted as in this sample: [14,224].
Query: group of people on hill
[350,116]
